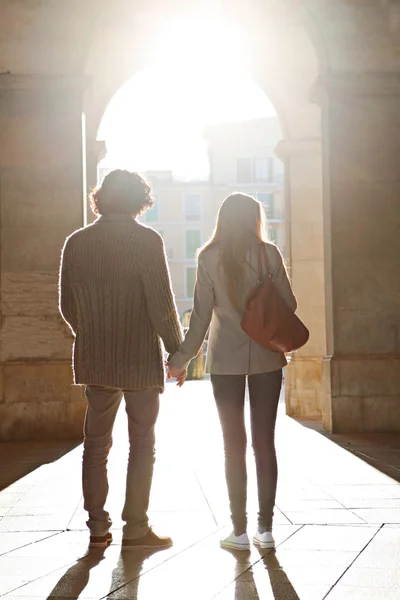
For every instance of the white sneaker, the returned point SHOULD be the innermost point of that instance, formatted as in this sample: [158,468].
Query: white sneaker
[264,540]
[236,542]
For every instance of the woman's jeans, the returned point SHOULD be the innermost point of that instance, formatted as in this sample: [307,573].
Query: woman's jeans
[264,391]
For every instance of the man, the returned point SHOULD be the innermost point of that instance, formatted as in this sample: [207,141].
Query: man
[116,296]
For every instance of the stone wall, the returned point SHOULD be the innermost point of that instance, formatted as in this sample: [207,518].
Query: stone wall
[304,181]
[41,197]
[362,236]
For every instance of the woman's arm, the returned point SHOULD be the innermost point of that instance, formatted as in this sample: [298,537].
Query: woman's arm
[280,278]
[66,300]
[200,319]
[158,291]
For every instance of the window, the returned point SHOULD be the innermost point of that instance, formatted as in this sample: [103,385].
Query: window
[244,170]
[263,169]
[257,169]
[190,281]
[193,242]
[192,207]
[151,214]
[267,200]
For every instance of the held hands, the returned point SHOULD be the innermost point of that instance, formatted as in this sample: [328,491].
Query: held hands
[178,374]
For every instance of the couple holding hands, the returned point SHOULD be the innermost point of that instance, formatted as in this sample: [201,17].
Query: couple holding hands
[115,294]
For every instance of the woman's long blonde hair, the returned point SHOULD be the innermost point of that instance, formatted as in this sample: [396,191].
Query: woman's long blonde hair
[240,228]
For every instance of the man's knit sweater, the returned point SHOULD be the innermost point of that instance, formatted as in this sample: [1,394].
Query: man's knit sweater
[115,294]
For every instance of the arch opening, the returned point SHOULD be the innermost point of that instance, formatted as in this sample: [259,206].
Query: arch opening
[197,127]
[284,64]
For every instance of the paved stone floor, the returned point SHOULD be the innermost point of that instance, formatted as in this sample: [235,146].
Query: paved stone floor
[337,520]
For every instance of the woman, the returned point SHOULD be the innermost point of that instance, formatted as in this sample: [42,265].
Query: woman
[227,270]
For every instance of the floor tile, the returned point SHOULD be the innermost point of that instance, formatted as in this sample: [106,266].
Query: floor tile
[32,523]
[290,504]
[11,596]
[342,592]
[315,558]
[379,515]
[383,551]
[381,503]
[290,573]
[68,582]
[8,583]
[22,510]
[29,568]
[330,537]
[267,591]
[363,492]
[274,579]
[12,541]
[8,499]
[281,518]
[308,494]
[283,533]
[371,577]
[324,517]
[393,489]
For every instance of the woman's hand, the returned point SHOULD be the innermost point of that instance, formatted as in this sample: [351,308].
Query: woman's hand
[178,374]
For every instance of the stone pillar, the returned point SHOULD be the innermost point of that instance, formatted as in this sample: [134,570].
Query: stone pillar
[361,153]
[303,164]
[95,152]
[41,199]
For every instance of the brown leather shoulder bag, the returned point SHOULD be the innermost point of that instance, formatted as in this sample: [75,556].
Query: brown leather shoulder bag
[267,318]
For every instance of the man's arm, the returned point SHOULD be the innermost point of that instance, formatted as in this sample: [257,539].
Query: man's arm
[67,305]
[158,291]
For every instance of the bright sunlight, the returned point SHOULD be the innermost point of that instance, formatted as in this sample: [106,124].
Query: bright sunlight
[200,75]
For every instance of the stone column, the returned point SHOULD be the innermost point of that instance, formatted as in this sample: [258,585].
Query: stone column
[95,152]
[303,165]
[361,153]
[41,199]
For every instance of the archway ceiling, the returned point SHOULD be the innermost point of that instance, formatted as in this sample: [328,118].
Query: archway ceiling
[52,36]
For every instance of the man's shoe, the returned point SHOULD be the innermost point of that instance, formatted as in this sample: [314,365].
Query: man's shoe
[150,541]
[264,540]
[236,542]
[100,541]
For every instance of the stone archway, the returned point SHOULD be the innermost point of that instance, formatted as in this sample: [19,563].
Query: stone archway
[286,67]
[46,82]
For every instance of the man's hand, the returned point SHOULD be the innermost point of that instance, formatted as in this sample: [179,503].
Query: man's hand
[178,374]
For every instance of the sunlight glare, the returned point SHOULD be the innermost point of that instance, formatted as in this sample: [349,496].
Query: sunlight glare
[204,47]
[200,75]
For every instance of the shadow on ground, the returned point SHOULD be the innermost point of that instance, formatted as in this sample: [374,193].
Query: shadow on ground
[127,572]
[18,459]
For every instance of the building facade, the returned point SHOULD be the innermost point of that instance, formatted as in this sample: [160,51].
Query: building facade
[241,159]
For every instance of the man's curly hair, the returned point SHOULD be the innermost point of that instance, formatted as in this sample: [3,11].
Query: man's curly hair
[122,192]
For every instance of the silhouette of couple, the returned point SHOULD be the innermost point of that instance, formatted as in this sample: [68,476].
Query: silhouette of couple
[115,294]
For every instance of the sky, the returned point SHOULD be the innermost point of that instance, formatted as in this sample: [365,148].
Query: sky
[155,121]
